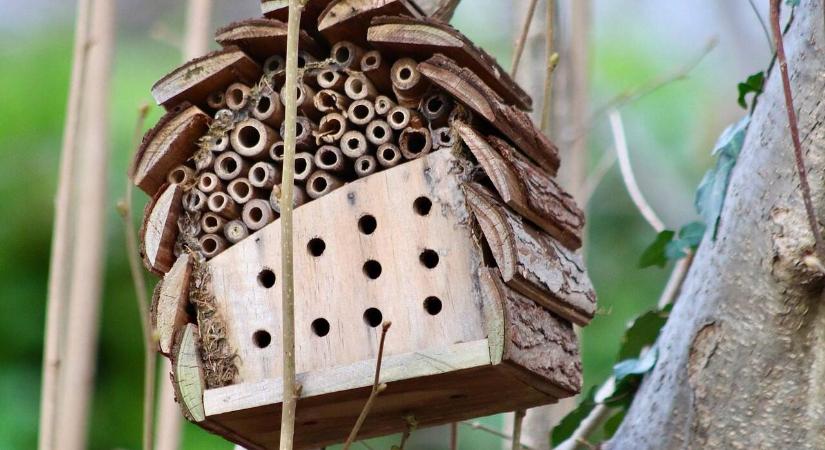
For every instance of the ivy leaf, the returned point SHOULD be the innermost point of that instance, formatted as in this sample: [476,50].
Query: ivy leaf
[690,236]
[710,196]
[792,2]
[571,421]
[635,366]
[643,332]
[654,254]
[612,424]
[753,83]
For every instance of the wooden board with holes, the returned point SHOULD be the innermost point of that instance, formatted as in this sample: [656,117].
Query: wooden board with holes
[262,38]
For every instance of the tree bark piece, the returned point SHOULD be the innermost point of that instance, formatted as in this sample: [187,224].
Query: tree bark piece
[526,188]
[348,19]
[160,229]
[422,38]
[168,144]
[470,90]
[169,303]
[262,38]
[532,262]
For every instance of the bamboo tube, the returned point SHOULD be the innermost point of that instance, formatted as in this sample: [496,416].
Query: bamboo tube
[269,109]
[407,83]
[322,183]
[257,214]
[361,112]
[436,108]
[365,165]
[331,128]
[298,199]
[241,190]
[359,87]
[273,64]
[276,152]
[235,231]
[264,175]
[346,54]
[305,58]
[330,79]
[208,183]
[303,165]
[388,155]
[220,144]
[353,144]
[303,133]
[230,165]
[330,159]
[327,101]
[306,100]
[212,223]
[443,137]
[222,204]
[194,200]
[237,96]
[216,100]
[379,132]
[415,142]
[212,244]
[252,139]
[204,161]
[383,105]
[377,69]
[182,175]
[399,118]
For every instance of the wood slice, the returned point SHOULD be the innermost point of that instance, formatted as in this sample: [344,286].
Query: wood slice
[169,303]
[515,124]
[348,20]
[526,188]
[531,261]
[160,229]
[187,373]
[262,38]
[167,145]
[279,10]
[196,79]
[421,38]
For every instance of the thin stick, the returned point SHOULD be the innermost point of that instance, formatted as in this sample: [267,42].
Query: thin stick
[376,389]
[762,24]
[518,419]
[595,178]
[552,62]
[150,358]
[627,173]
[290,402]
[61,239]
[481,427]
[169,423]
[794,126]
[525,29]
[198,24]
[454,436]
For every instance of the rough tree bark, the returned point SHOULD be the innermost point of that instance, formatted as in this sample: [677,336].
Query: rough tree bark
[741,363]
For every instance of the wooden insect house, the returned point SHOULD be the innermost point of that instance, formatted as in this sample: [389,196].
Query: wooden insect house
[425,196]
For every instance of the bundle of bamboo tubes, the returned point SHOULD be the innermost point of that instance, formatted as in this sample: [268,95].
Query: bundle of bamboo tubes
[359,113]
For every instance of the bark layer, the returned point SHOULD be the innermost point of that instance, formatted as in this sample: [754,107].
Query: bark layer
[741,360]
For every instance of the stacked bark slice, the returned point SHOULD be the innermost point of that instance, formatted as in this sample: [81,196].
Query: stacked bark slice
[381,87]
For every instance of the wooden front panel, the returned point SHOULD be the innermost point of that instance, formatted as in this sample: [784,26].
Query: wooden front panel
[334,285]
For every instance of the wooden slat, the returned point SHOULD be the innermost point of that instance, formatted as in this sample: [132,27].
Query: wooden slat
[168,144]
[262,38]
[526,188]
[196,79]
[279,10]
[160,229]
[169,303]
[421,38]
[349,19]
[515,124]
[531,261]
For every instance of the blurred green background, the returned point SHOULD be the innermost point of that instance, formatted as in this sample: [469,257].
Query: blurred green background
[670,133]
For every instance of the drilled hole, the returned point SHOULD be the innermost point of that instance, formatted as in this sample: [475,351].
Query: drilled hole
[367,224]
[432,305]
[266,278]
[373,317]
[372,269]
[320,327]
[422,206]
[316,247]
[261,338]
[429,258]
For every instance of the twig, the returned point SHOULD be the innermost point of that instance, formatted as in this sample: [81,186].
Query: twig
[675,281]
[411,425]
[595,178]
[518,419]
[481,427]
[376,389]
[454,436]
[525,29]
[61,236]
[198,25]
[150,358]
[367,446]
[169,423]
[552,62]
[627,173]
[290,401]
[762,23]
[794,126]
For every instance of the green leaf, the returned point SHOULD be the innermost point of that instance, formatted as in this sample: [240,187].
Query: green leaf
[710,196]
[654,254]
[692,234]
[635,366]
[754,84]
[642,332]
[792,2]
[571,421]
[612,424]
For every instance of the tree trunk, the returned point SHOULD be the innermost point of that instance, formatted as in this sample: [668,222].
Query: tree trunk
[740,360]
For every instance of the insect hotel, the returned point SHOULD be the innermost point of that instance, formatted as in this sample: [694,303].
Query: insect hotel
[425,196]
